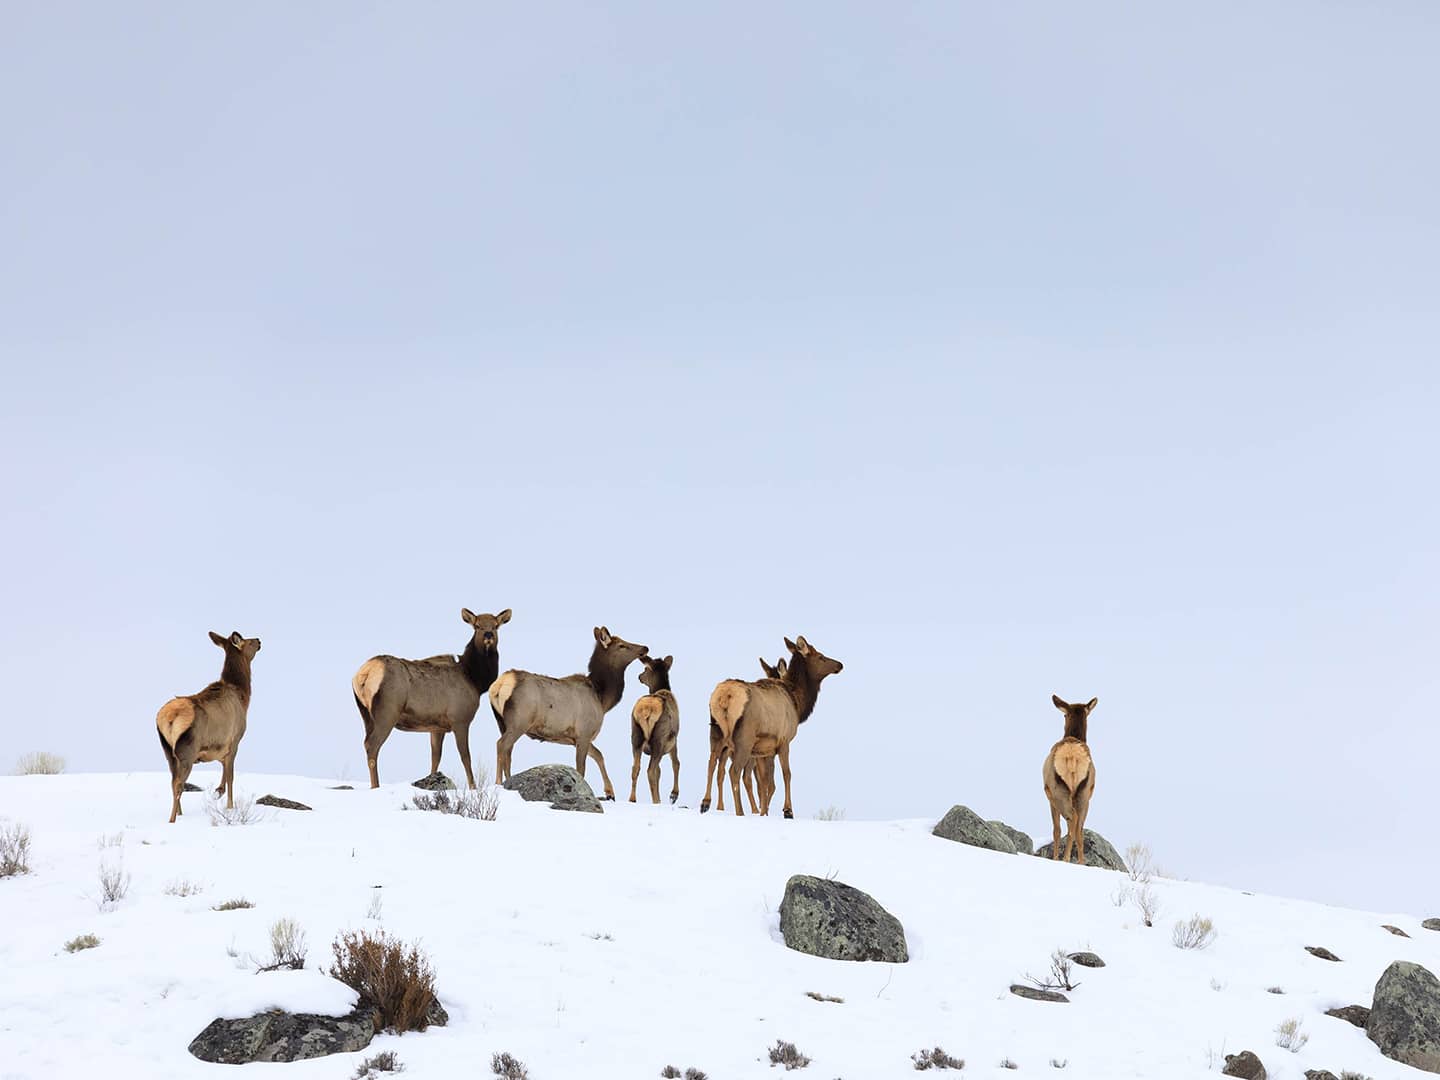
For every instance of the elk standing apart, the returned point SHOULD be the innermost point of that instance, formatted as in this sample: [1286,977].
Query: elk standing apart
[654,725]
[747,715]
[568,710]
[1070,778]
[437,695]
[208,726]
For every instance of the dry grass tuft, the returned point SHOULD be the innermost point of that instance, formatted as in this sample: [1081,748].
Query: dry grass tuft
[244,811]
[287,946]
[236,904]
[508,1068]
[183,887]
[1147,902]
[935,1059]
[396,980]
[40,763]
[14,849]
[84,941]
[385,1061]
[1197,932]
[787,1054]
[482,805]
[831,813]
[114,885]
[1289,1036]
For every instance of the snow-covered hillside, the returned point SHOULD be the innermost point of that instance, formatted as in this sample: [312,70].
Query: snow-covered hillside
[608,946]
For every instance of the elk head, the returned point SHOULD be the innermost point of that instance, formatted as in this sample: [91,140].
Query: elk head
[656,675]
[246,647]
[486,627]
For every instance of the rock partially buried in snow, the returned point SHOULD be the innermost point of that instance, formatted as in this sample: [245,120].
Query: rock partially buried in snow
[559,785]
[1405,1016]
[1244,1064]
[1358,1015]
[1322,953]
[1098,852]
[1431,924]
[436,781]
[964,826]
[283,804]
[1394,930]
[1034,993]
[1320,1074]
[283,1036]
[1023,844]
[1086,959]
[839,922]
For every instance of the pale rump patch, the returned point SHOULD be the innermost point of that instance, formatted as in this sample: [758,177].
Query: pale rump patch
[175,718]
[500,691]
[646,713]
[727,705]
[1071,761]
[367,680]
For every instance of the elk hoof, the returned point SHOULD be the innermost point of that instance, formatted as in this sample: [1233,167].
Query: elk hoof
[789,814]
[704,806]
[674,796]
[609,796]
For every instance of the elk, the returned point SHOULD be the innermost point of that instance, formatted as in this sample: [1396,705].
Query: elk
[568,710]
[208,726]
[654,725]
[1070,778]
[755,716]
[766,765]
[437,695]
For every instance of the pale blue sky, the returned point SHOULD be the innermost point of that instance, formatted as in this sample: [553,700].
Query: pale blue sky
[1000,350]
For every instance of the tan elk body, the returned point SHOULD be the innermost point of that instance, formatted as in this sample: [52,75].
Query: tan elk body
[569,710]
[208,726]
[437,695]
[1070,778]
[654,728]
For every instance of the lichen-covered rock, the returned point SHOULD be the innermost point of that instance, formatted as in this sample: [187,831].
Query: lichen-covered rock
[1431,924]
[559,785]
[283,804]
[1244,1064]
[1098,852]
[1034,993]
[1023,844]
[964,826]
[282,1036]
[1405,1016]
[1358,1015]
[1320,1074]
[1086,959]
[1322,953]
[839,922]
[436,781]
[1394,930]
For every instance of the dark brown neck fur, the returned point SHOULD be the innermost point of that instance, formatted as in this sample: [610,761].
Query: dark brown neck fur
[803,687]
[661,675]
[236,673]
[480,665]
[1075,726]
[606,678]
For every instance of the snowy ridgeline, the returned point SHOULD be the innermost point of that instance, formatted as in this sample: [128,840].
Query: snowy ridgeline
[608,946]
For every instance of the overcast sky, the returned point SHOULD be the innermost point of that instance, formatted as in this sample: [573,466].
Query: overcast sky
[1001,350]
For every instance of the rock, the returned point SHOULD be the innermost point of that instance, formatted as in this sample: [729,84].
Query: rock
[283,804]
[1023,844]
[1098,852]
[1431,924]
[559,785]
[1243,1064]
[839,922]
[190,787]
[1405,1016]
[343,787]
[436,781]
[1322,952]
[1036,994]
[1394,930]
[964,826]
[1320,1074]
[1086,959]
[282,1036]
[1358,1015]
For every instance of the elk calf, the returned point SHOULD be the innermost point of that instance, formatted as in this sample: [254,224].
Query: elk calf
[654,725]
[436,695]
[208,726]
[568,710]
[1070,778]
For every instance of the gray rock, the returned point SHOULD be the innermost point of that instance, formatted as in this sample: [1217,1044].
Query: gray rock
[1322,953]
[1320,1074]
[283,804]
[839,922]
[1243,1064]
[1086,959]
[559,785]
[343,787]
[436,781]
[282,1036]
[1098,852]
[1023,844]
[1394,930]
[1358,1015]
[964,826]
[1034,993]
[1431,924]
[1405,1016]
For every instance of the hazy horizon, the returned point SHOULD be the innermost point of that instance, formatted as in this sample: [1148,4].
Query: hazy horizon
[1000,352]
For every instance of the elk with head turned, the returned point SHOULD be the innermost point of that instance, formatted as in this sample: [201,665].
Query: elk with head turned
[568,710]
[654,726]
[437,695]
[208,726]
[1070,778]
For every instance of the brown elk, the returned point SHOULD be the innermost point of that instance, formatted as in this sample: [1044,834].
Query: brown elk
[436,695]
[1070,778]
[654,725]
[568,710]
[751,716]
[208,726]
[719,755]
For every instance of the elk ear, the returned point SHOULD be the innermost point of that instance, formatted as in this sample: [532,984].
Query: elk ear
[217,639]
[668,661]
[782,668]
[1091,705]
[602,635]
[803,645]
[1058,703]
[503,617]
[467,615]
[790,645]
[236,639]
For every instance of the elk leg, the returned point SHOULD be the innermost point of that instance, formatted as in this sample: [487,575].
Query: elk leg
[374,739]
[594,752]
[766,772]
[750,786]
[504,749]
[437,746]
[1082,811]
[784,755]
[724,756]
[675,766]
[229,779]
[462,744]
[710,767]
[1055,827]
[635,773]
[738,760]
[653,774]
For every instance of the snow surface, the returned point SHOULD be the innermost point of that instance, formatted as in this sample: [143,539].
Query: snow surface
[607,946]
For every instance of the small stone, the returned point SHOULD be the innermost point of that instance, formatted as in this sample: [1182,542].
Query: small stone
[1086,959]
[1243,1064]
[1034,993]
[1394,930]
[1320,1074]
[283,804]
[1358,1015]
[342,787]
[1431,924]
[436,781]
[1322,952]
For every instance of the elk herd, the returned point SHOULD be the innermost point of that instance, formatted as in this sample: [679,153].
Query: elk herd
[752,722]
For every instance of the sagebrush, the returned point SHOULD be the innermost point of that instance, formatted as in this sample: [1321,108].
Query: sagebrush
[392,978]
[787,1054]
[236,904]
[935,1059]
[482,805]
[40,763]
[508,1067]
[114,885]
[287,946]
[1196,932]
[385,1061]
[1289,1036]
[243,812]
[84,941]
[14,849]
[183,887]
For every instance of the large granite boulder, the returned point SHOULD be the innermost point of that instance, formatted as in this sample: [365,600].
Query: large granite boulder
[839,922]
[964,826]
[1023,844]
[1098,852]
[281,1036]
[1404,1018]
[559,785]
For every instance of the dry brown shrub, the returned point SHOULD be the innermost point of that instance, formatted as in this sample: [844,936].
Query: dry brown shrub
[392,978]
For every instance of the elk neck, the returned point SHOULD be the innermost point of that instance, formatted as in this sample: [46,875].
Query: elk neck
[606,678]
[236,673]
[480,665]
